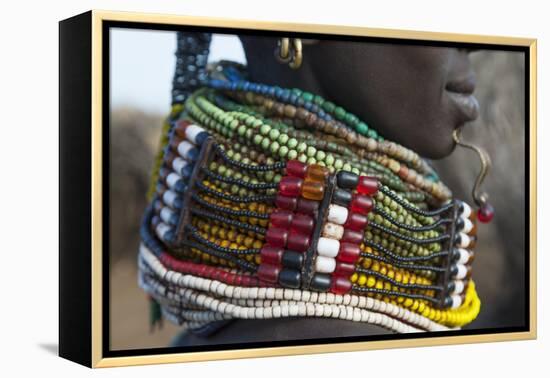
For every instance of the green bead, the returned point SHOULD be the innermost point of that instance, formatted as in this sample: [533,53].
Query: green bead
[233,124]
[274,134]
[301,147]
[283,151]
[265,143]
[310,152]
[338,164]
[328,107]
[311,160]
[362,128]
[302,158]
[265,129]
[292,154]
[320,156]
[274,148]
[329,160]
[339,112]
[241,130]
[292,143]
[283,139]
[307,96]
[257,139]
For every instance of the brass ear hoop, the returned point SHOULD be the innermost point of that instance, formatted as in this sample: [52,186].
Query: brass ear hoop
[289,50]
[480,198]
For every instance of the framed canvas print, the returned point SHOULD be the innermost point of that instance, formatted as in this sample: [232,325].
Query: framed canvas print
[233,188]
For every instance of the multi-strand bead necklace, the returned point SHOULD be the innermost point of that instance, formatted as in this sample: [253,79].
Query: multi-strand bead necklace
[273,202]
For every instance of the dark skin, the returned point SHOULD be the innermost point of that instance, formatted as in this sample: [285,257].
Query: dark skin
[413,95]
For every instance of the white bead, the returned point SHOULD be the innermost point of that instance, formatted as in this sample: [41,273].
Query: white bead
[325,264]
[459,287]
[462,271]
[162,228]
[468,225]
[169,197]
[172,179]
[457,301]
[178,164]
[337,214]
[166,214]
[333,231]
[466,210]
[192,131]
[464,240]
[464,256]
[328,247]
[184,148]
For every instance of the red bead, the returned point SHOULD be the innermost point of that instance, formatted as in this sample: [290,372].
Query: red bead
[297,242]
[340,285]
[306,206]
[285,202]
[486,213]
[302,223]
[356,221]
[295,168]
[180,127]
[271,255]
[367,185]
[344,269]
[348,252]
[268,273]
[280,218]
[351,236]
[276,237]
[361,204]
[291,186]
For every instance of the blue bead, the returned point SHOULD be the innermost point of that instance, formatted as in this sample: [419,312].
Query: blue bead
[308,106]
[286,95]
[187,171]
[201,137]
[174,219]
[246,85]
[169,236]
[234,86]
[253,87]
[240,85]
[180,186]
[321,113]
[178,203]
[271,91]
[293,98]
[264,88]
[300,102]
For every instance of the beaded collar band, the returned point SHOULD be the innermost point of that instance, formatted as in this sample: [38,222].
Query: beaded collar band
[271,202]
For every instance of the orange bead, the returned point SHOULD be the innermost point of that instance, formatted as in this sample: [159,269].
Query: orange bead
[316,172]
[313,190]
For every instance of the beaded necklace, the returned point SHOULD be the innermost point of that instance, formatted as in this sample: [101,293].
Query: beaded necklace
[270,202]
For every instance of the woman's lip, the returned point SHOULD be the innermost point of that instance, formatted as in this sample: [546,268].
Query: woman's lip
[465,85]
[466,103]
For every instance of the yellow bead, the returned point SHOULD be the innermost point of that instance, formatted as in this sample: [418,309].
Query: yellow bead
[354,277]
[362,280]
[371,281]
[408,302]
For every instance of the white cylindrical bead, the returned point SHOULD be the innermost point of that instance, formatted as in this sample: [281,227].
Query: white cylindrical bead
[178,164]
[333,231]
[162,229]
[461,271]
[457,301]
[328,247]
[337,214]
[191,133]
[464,256]
[172,179]
[184,148]
[468,225]
[169,197]
[166,215]
[325,264]
[466,210]
[459,287]
[464,240]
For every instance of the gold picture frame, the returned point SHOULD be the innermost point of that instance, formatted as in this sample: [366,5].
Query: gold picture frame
[92,25]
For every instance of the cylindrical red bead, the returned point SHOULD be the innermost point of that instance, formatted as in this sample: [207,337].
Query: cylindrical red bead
[271,255]
[268,273]
[295,168]
[291,186]
[356,221]
[297,242]
[351,236]
[340,285]
[367,185]
[306,206]
[344,269]
[280,218]
[276,236]
[285,202]
[302,223]
[361,204]
[348,252]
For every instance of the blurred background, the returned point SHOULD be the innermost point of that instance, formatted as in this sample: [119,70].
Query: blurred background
[141,70]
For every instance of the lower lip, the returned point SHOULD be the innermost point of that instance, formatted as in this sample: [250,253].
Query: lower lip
[466,103]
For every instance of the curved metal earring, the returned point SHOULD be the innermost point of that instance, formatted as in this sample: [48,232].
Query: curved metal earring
[291,53]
